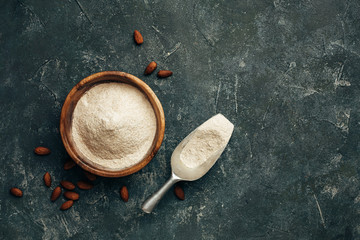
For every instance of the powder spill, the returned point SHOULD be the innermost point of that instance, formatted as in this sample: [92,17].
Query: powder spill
[113,125]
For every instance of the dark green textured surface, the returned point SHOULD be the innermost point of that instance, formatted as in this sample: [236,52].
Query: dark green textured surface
[286,73]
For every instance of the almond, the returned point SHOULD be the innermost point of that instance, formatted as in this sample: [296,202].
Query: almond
[138,37]
[67,185]
[69,164]
[16,192]
[47,179]
[124,194]
[164,73]
[66,205]
[150,68]
[84,185]
[90,176]
[71,195]
[179,192]
[55,194]
[42,151]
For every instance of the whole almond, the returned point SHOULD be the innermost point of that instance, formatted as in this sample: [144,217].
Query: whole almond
[90,176]
[67,185]
[42,151]
[138,37]
[55,194]
[66,205]
[124,193]
[69,165]
[47,179]
[164,73]
[84,185]
[179,192]
[71,195]
[150,68]
[16,192]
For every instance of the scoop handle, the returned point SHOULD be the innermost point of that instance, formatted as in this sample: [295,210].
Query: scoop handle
[152,201]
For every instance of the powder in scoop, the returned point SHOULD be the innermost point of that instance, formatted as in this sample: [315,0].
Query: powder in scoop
[114,125]
[206,140]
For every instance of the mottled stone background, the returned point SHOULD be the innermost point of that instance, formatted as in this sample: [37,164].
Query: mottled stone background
[286,73]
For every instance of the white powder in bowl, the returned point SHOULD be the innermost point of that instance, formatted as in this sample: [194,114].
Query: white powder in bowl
[114,125]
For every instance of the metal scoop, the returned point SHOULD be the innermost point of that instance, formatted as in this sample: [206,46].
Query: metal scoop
[208,149]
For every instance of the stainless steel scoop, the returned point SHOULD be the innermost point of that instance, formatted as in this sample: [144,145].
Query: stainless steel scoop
[181,171]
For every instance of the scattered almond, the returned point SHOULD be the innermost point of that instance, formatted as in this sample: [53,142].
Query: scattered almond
[90,176]
[55,194]
[84,185]
[16,192]
[124,193]
[47,179]
[138,37]
[66,205]
[164,73]
[67,185]
[179,192]
[69,164]
[150,68]
[42,151]
[71,195]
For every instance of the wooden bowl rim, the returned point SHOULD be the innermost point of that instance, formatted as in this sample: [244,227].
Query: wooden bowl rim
[116,76]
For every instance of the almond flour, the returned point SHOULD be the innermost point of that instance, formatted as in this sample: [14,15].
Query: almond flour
[199,151]
[113,125]
[208,138]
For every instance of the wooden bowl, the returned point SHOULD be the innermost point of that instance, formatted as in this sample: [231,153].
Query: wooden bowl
[69,106]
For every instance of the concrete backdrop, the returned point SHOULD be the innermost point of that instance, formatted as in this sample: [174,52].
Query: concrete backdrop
[286,73]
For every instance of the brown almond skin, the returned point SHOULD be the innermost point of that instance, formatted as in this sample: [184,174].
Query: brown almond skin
[71,195]
[69,165]
[55,194]
[67,185]
[47,179]
[66,205]
[16,192]
[179,192]
[124,193]
[84,185]
[90,176]
[164,73]
[42,151]
[138,37]
[150,68]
